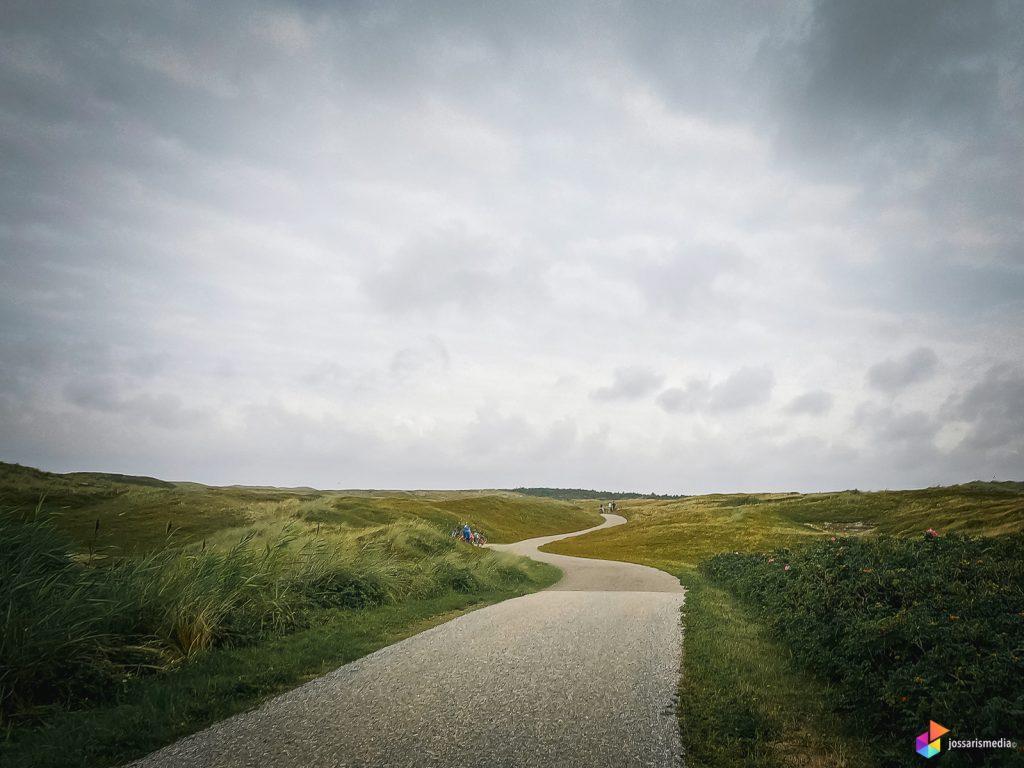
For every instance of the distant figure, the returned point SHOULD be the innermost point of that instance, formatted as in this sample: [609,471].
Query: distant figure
[602,509]
[612,507]
[467,533]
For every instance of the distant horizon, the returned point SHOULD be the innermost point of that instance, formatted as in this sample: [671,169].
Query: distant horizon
[510,488]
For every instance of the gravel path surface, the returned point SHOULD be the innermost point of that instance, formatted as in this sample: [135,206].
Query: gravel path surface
[582,674]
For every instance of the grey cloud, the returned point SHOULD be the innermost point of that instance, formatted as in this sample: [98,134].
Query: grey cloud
[447,268]
[691,398]
[495,433]
[911,426]
[915,103]
[881,64]
[671,43]
[162,410]
[742,389]
[894,375]
[683,279]
[813,403]
[630,383]
[994,408]
[95,394]
[431,354]
[887,426]
[498,436]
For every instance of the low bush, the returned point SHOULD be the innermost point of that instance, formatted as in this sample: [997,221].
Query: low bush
[908,630]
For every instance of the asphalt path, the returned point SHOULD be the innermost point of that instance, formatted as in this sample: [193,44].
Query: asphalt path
[582,674]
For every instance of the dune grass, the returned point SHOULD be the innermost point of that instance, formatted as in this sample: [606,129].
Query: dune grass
[745,699]
[179,604]
[117,514]
[150,712]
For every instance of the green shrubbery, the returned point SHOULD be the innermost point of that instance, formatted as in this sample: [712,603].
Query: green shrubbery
[75,631]
[908,630]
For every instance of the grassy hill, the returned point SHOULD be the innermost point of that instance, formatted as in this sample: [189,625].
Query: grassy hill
[678,534]
[137,513]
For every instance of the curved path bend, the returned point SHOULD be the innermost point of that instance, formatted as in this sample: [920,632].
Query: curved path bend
[581,674]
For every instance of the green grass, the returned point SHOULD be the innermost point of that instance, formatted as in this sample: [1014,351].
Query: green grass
[742,704]
[746,701]
[151,712]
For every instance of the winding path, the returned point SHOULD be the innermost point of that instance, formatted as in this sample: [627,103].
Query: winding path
[581,674]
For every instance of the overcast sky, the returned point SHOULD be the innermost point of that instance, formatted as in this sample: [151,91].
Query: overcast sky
[669,246]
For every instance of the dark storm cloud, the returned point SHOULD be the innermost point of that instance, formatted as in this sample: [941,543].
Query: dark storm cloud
[893,375]
[813,403]
[630,383]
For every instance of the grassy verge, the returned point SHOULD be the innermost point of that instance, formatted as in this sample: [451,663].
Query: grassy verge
[742,703]
[153,711]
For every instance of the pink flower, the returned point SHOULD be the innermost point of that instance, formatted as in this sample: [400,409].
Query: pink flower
[771,560]
[786,568]
[931,533]
[833,538]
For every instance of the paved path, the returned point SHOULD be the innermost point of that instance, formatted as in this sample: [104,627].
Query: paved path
[582,674]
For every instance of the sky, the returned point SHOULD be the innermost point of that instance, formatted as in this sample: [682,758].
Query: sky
[659,246]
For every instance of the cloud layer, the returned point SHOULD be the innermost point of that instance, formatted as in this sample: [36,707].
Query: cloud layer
[750,247]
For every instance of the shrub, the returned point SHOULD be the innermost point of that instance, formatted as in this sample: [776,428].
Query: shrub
[908,629]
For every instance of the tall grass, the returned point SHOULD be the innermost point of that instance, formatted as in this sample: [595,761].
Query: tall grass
[74,631]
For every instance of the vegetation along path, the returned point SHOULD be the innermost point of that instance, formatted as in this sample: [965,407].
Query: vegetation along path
[584,673]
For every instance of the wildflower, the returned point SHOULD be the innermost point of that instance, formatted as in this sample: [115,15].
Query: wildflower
[771,560]
[832,539]
[903,699]
[931,533]
[786,568]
